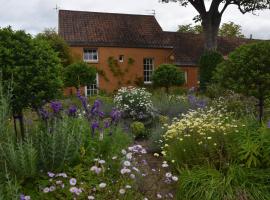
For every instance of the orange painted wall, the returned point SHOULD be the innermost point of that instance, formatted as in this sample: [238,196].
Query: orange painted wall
[134,71]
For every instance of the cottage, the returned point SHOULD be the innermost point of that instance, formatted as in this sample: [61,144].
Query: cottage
[127,48]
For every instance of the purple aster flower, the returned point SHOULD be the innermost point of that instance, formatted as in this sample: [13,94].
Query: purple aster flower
[56,106]
[72,110]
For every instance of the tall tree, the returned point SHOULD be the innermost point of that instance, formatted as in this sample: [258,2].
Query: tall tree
[229,29]
[33,68]
[211,18]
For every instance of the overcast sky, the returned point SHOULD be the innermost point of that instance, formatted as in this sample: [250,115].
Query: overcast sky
[35,15]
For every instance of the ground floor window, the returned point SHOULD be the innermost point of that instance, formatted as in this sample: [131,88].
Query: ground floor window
[148,68]
[92,90]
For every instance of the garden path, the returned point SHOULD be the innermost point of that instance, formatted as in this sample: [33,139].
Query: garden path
[155,182]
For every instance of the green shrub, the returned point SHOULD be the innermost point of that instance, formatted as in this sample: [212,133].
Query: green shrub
[167,75]
[79,74]
[247,71]
[200,137]
[208,63]
[138,129]
[170,105]
[135,103]
[239,105]
[60,144]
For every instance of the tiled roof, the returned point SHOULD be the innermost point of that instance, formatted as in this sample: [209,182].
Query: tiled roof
[80,28]
[189,47]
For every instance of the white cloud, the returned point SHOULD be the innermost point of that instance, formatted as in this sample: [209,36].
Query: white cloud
[35,15]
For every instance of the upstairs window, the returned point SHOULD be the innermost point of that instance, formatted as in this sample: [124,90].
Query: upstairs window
[148,68]
[90,55]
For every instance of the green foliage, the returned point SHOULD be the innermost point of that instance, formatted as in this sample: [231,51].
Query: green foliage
[237,104]
[247,71]
[231,29]
[251,145]
[9,187]
[20,159]
[169,105]
[60,144]
[207,64]
[138,129]
[233,183]
[188,28]
[167,75]
[32,66]
[79,74]
[58,44]
[4,110]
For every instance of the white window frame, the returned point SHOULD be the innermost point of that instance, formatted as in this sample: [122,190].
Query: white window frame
[121,58]
[186,77]
[149,67]
[88,55]
[92,90]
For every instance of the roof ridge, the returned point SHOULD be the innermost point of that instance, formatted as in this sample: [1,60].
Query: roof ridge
[85,11]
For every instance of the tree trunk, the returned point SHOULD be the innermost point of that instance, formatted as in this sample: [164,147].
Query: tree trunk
[21,121]
[261,105]
[211,23]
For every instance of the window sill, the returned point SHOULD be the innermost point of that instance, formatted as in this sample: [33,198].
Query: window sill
[147,83]
[91,61]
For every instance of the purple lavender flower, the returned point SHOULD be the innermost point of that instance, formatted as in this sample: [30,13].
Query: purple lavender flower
[83,100]
[106,124]
[115,115]
[201,103]
[95,110]
[43,113]
[94,126]
[56,106]
[72,110]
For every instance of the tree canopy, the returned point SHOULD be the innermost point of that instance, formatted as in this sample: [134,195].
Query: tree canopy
[211,17]
[58,44]
[167,75]
[79,74]
[229,29]
[247,71]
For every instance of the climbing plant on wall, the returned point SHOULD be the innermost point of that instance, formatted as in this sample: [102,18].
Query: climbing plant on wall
[117,71]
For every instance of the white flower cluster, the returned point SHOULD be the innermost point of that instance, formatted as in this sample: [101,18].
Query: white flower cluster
[134,102]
